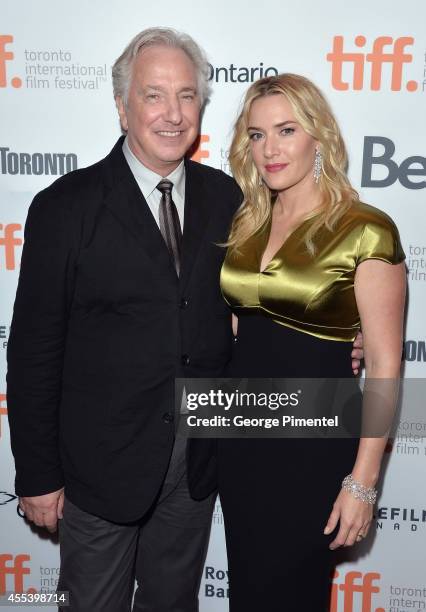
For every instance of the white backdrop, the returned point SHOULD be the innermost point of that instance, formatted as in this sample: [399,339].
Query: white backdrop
[58,113]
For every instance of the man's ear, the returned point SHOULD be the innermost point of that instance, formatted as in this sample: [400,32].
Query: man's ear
[121,107]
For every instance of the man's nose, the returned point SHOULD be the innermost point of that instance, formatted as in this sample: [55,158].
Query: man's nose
[173,111]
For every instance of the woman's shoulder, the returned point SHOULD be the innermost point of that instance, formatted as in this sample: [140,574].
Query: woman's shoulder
[376,235]
[361,216]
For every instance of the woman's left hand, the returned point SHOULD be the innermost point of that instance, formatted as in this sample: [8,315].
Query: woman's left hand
[355,518]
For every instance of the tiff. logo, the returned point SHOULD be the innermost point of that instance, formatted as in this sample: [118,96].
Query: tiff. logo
[355,582]
[9,242]
[7,56]
[395,56]
[3,409]
[13,566]
[197,152]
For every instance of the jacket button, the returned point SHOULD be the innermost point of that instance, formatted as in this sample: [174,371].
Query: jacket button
[168,417]
[185,360]
[184,303]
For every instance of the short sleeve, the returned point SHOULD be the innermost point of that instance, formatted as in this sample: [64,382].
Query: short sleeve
[380,240]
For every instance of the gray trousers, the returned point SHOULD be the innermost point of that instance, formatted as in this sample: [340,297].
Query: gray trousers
[165,552]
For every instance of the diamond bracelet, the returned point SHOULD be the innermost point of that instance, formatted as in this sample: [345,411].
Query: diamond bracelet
[365,494]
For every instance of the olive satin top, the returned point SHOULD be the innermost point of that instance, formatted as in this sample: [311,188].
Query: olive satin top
[312,294]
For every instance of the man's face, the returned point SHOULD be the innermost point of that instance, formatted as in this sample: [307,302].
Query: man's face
[162,113]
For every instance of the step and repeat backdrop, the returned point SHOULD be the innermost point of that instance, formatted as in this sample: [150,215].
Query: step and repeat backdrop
[58,114]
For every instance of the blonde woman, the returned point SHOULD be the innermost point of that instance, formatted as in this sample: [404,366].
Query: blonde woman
[307,265]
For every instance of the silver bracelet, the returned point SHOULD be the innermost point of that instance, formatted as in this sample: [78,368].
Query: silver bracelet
[365,494]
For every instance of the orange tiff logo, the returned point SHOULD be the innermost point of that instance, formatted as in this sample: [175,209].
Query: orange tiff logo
[9,242]
[7,56]
[14,567]
[3,409]
[355,582]
[197,153]
[395,56]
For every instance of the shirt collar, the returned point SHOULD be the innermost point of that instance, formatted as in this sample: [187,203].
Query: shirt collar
[148,180]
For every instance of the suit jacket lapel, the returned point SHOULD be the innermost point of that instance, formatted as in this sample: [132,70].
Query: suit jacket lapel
[197,213]
[126,202]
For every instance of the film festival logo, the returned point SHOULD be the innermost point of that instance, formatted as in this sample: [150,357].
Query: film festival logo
[7,56]
[3,412]
[13,570]
[9,242]
[198,151]
[385,51]
[355,592]
[48,69]
[409,439]
[416,265]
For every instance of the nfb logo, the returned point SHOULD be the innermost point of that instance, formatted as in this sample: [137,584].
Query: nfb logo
[13,566]
[395,57]
[355,582]
[7,56]
[408,168]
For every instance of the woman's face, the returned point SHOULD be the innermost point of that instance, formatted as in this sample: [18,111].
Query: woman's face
[282,151]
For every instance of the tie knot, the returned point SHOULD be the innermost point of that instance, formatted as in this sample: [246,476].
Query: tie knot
[165,186]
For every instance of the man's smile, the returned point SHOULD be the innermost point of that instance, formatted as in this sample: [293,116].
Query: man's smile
[169,134]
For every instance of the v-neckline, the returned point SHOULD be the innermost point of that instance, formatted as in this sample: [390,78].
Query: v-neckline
[267,232]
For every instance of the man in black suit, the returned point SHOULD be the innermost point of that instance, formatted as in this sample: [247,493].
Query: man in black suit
[113,303]
[111,306]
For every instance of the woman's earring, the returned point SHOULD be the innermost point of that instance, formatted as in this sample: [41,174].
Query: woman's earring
[317,165]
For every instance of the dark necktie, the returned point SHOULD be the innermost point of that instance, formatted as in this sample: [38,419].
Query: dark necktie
[169,222]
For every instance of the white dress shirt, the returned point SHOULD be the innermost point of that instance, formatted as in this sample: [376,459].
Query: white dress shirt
[148,181]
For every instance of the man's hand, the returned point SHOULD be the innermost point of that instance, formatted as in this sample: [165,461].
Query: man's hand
[357,353]
[44,510]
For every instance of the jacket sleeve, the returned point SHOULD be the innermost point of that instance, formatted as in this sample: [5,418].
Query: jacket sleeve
[36,344]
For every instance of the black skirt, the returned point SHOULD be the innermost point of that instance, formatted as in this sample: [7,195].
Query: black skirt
[277,494]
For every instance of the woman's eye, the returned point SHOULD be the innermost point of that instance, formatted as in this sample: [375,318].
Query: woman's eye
[287,131]
[255,136]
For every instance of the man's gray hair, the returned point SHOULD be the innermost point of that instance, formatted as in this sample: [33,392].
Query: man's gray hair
[122,69]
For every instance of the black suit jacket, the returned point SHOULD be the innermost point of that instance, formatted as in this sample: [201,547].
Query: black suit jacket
[101,328]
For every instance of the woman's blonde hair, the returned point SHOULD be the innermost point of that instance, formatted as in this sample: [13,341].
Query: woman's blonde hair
[315,117]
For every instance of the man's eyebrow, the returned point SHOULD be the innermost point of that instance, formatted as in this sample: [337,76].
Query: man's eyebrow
[185,89]
[160,88]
